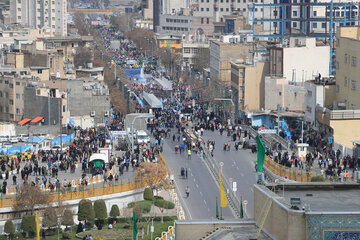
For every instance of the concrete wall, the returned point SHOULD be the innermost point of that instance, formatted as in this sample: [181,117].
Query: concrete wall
[47,129]
[121,199]
[38,106]
[82,102]
[281,223]
[345,135]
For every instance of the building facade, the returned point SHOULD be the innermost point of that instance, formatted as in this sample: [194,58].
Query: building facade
[40,14]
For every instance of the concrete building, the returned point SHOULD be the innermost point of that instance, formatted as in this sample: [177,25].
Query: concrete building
[95,73]
[247,85]
[41,14]
[169,41]
[176,25]
[228,48]
[304,211]
[193,51]
[280,92]
[302,59]
[319,92]
[166,7]
[347,69]
[89,98]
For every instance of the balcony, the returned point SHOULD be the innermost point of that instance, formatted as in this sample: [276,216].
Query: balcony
[325,115]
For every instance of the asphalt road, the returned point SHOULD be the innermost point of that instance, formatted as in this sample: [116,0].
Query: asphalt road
[201,204]
[238,165]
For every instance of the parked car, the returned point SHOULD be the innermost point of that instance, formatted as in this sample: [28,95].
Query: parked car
[250,143]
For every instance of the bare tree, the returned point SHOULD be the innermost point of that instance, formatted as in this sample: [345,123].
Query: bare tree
[30,196]
[153,175]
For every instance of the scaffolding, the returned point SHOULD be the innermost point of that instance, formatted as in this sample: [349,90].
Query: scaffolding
[296,18]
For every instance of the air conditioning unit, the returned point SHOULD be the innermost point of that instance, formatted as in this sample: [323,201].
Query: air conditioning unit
[106,114]
[92,114]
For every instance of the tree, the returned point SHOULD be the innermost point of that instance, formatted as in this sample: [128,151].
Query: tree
[28,224]
[153,175]
[9,228]
[68,218]
[86,211]
[100,212]
[148,194]
[50,218]
[82,56]
[114,212]
[28,197]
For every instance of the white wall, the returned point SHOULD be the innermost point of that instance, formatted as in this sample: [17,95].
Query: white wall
[307,62]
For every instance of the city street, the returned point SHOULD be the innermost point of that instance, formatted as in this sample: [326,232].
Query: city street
[201,203]
[238,165]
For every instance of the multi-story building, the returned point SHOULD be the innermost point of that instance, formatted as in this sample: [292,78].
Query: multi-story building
[222,52]
[347,69]
[40,14]
[247,84]
[176,25]
[195,51]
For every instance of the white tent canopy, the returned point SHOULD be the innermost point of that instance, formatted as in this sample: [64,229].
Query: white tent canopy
[152,100]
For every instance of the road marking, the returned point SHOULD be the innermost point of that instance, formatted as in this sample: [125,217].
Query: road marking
[201,193]
[205,202]
[191,174]
[251,189]
[208,209]
[237,168]
[242,174]
[197,185]
[194,179]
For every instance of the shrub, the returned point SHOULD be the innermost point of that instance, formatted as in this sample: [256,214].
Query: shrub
[66,235]
[317,179]
[158,197]
[148,194]
[86,211]
[68,218]
[126,226]
[100,209]
[9,227]
[164,204]
[114,212]
[28,224]
[145,205]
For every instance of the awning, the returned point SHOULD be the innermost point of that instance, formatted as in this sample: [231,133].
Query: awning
[24,121]
[37,119]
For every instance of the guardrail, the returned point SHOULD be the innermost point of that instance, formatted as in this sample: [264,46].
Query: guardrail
[286,172]
[214,167]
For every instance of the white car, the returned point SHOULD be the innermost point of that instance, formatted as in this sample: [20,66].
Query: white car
[142,137]
[14,139]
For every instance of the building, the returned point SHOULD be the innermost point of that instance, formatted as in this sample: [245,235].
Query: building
[195,51]
[319,92]
[308,211]
[247,85]
[167,7]
[222,52]
[300,60]
[176,25]
[90,72]
[41,14]
[347,69]
[169,41]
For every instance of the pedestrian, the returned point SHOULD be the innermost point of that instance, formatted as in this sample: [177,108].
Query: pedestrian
[187,191]
[186,173]
[189,154]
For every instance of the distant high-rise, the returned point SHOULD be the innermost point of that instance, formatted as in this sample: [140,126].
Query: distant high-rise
[40,14]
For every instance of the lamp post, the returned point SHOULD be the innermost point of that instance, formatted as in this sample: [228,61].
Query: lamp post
[132,128]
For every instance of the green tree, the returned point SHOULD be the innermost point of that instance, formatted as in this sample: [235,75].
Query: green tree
[86,211]
[50,218]
[114,212]
[28,224]
[9,228]
[148,194]
[100,212]
[68,218]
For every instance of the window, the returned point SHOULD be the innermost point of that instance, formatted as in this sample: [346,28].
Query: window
[202,9]
[353,61]
[314,13]
[337,65]
[346,58]
[275,24]
[17,111]
[18,96]
[314,25]
[39,71]
[202,20]
[294,13]
[7,109]
[207,21]
[17,83]
[221,9]
[294,24]
[279,93]
[11,102]
[323,25]
[64,108]
[6,95]
[227,9]
[207,9]
[353,85]
[11,85]
[1,94]
[337,88]
[345,82]
[275,13]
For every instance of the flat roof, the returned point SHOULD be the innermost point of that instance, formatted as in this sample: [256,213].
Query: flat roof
[323,197]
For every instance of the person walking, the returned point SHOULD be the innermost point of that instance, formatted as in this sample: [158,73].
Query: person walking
[187,191]
[189,154]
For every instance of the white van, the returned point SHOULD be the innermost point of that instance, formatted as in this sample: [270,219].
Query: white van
[142,137]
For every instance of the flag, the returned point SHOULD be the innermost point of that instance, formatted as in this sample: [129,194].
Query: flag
[134,226]
[37,226]
[217,210]
[260,153]
[223,199]
[241,208]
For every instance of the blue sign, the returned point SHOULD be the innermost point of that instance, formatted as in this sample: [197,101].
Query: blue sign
[289,137]
[106,121]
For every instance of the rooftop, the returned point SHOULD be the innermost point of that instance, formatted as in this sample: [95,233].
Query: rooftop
[321,197]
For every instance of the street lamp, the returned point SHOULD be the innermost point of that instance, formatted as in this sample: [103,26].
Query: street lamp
[132,128]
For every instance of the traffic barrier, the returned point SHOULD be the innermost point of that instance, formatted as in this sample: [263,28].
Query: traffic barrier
[286,172]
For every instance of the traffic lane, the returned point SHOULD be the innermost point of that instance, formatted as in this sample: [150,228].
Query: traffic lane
[238,165]
[201,203]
